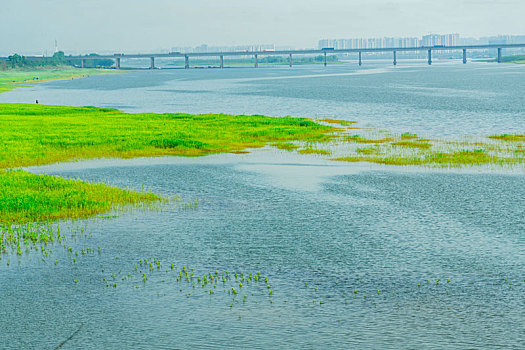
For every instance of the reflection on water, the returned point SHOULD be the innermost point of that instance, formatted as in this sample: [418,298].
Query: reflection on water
[370,244]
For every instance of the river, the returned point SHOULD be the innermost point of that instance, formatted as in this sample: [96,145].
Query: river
[357,255]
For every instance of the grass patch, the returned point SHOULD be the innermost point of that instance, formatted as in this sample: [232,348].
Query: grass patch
[412,144]
[361,139]
[409,136]
[287,146]
[12,78]
[338,121]
[410,149]
[369,151]
[38,134]
[458,158]
[26,197]
[508,137]
[314,151]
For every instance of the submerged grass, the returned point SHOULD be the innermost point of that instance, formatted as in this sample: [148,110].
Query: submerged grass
[194,283]
[338,121]
[458,158]
[412,144]
[26,197]
[408,149]
[314,151]
[287,146]
[509,137]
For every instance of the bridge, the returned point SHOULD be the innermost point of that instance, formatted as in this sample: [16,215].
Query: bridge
[290,53]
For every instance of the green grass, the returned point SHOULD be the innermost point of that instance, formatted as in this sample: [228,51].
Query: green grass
[509,137]
[337,121]
[13,78]
[438,159]
[412,144]
[286,146]
[369,150]
[26,197]
[314,151]
[38,134]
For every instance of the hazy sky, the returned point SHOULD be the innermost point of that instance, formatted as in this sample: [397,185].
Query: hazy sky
[83,26]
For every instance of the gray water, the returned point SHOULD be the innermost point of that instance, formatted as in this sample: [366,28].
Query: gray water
[358,256]
[441,100]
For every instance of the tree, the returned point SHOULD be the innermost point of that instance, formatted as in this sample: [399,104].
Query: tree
[16,60]
[59,58]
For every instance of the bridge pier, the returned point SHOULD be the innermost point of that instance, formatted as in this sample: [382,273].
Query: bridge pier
[360,59]
[152,63]
[117,63]
[395,58]
[290,60]
[464,56]
[256,61]
[429,57]
[82,63]
[325,59]
[186,62]
[222,62]
[499,54]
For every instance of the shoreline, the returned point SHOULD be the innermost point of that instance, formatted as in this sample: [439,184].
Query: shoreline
[14,78]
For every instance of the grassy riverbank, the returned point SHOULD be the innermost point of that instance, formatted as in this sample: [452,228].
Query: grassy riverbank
[514,59]
[38,134]
[12,78]
[520,59]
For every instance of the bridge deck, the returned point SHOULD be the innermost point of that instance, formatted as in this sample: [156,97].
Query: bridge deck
[296,52]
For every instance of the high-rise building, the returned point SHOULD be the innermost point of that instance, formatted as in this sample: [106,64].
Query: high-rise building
[368,43]
[377,43]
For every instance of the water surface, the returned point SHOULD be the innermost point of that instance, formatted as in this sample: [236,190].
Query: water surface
[357,255]
[441,100]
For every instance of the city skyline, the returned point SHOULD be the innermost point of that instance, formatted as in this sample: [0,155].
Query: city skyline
[432,39]
[348,43]
[146,26]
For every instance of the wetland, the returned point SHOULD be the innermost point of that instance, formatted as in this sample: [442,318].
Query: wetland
[415,239]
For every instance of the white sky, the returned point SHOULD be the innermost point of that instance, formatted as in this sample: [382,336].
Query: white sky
[83,26]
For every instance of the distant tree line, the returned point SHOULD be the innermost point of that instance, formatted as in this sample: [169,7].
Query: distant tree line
[58,59]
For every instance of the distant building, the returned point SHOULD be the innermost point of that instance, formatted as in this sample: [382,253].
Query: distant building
[205,48]
[367,43]
[380,43]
